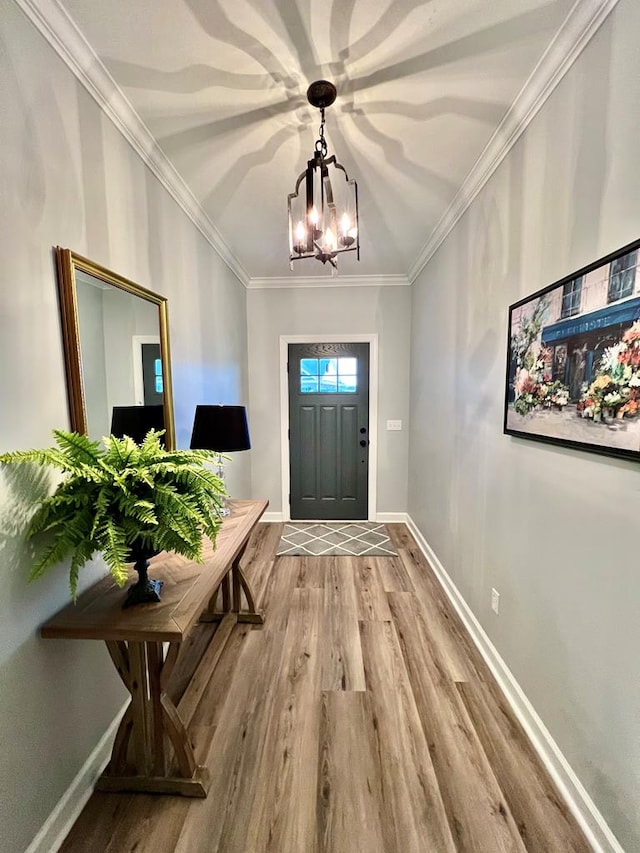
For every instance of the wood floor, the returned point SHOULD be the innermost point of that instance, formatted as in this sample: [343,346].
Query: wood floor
[359,719]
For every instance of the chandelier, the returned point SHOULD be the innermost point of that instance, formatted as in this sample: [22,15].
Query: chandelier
[323,218]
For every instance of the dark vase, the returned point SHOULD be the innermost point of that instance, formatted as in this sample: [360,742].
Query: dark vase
[146,590]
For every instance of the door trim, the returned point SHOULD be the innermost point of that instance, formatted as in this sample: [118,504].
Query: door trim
[138,381]
[372,340]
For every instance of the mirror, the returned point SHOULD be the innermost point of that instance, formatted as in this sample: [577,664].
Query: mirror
[116,345]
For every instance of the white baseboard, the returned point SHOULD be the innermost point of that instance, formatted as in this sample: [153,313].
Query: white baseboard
[271,517]
[56,827]
[392,517]
[572,790]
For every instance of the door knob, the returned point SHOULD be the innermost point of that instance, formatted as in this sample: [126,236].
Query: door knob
[363,443]
[363,430]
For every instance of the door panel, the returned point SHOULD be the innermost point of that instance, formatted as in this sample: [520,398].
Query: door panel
[328,447]
[350,448]
[308,476]
[329,430]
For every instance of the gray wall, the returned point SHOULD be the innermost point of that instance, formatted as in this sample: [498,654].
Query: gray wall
[553,530]
[67,177]
[329,310]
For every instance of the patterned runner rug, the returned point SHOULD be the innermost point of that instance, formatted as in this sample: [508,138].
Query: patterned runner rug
[347,539]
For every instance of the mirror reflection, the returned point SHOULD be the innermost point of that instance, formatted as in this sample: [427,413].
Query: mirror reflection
[116,346]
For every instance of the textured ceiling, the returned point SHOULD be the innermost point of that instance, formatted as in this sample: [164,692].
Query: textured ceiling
[421,88]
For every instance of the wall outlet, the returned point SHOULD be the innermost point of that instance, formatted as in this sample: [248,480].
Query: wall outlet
[495,600]
[394,425]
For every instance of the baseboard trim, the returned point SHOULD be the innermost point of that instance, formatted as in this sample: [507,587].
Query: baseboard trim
[382,517]
[56,827]
[392,517]
[573,792]
[272,517]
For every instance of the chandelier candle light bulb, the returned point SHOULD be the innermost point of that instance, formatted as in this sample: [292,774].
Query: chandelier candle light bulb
[314,223]
[301,238]
[348,234]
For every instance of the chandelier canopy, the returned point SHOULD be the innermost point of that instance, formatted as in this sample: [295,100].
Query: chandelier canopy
[323,216]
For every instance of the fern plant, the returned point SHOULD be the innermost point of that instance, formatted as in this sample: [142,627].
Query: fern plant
[120,496]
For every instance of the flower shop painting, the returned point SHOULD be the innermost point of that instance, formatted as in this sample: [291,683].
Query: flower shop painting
[573,365]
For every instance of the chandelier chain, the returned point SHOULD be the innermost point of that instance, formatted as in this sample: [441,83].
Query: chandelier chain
[321,142]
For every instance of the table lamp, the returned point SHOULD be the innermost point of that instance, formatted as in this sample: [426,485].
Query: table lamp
[136,421]
[223,429]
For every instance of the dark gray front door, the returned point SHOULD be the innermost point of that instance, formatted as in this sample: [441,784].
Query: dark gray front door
[152,375]
[329,430]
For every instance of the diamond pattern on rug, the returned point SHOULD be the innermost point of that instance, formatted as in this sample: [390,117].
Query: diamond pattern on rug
[346,539]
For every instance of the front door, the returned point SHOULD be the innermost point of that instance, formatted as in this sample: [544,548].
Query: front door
[152,375]
[329,431]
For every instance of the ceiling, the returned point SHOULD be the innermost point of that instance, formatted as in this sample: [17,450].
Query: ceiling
[221,85]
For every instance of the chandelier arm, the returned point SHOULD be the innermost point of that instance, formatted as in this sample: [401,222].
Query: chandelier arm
[301,177]
[333,160]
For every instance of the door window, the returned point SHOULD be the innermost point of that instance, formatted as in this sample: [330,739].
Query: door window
[328,375]
[157,370]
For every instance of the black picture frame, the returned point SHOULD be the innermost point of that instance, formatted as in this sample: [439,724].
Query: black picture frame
[573,359]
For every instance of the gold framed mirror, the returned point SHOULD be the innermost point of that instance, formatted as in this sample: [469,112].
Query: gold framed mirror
[116,345]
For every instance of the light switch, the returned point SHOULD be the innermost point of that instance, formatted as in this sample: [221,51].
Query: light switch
[394,425]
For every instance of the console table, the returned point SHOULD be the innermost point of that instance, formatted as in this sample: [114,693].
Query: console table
[136,638]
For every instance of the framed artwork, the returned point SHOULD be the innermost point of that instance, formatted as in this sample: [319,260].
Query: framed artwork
[573,359]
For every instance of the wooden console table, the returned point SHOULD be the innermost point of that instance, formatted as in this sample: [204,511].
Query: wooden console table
[140,759]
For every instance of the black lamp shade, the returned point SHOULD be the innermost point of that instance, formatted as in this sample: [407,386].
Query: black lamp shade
[136,421]
[221,428]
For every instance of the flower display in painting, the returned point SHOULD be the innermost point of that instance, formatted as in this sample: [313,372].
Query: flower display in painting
[615,392]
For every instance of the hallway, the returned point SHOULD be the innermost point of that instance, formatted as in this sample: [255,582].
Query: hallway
[359,718]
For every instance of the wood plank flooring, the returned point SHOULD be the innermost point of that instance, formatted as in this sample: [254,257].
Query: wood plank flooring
[359,719]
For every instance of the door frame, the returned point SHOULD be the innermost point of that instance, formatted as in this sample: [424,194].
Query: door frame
[138,380]
[372,340]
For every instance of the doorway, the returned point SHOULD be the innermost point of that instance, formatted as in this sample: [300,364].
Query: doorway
[148,376]
[329,427]
[152,381]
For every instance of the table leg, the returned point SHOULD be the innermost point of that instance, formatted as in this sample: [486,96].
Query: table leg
[240,583]
[150,722]
[226,594]
[232,597]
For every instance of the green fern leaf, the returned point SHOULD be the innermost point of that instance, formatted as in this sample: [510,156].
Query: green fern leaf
[114,496]
[77,448]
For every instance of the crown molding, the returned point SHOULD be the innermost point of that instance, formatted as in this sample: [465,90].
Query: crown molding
[329,281]
[58,28]
[54,23]
[580,25]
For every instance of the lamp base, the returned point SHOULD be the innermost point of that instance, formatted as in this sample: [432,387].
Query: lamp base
[224,510]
